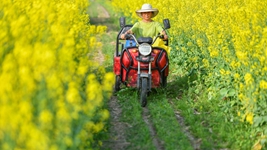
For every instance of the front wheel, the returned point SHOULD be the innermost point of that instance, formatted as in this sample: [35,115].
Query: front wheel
[143,92]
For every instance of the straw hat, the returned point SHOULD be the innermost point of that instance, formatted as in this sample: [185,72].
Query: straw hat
[147,8]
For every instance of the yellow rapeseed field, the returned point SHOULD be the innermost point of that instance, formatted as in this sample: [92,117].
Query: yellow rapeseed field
[51,95]
[227,39]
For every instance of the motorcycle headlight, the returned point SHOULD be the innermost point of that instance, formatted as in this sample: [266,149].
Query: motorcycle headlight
[145,49]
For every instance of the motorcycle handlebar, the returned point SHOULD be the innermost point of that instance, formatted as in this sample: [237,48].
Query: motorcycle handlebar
[129,36]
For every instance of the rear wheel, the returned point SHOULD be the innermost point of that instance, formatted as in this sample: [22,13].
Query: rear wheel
[117,83]
[164,81]
[143,92]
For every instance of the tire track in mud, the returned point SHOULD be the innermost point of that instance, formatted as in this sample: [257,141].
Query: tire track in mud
[156,141]
[117,137]
[194,142]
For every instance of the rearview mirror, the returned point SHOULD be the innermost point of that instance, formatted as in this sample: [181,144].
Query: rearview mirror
[122,22]
[166,23]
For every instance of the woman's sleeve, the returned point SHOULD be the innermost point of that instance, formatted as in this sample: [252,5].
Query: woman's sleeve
[135,27]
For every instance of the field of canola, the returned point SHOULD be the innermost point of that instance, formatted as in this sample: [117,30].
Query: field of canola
[51,95]
[44,61]
[224,41]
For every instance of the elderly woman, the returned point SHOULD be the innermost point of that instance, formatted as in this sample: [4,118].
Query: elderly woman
[146,27]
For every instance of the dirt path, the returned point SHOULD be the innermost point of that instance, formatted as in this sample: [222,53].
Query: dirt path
[157,142]
[117,130]
[102,16]
[195,142]
[117,137]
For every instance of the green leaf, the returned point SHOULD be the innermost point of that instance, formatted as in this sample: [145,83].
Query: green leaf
[264,118]
[231,92]
[223,92]
[257,121]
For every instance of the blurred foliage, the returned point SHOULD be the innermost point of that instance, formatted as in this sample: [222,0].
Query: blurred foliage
[52,90]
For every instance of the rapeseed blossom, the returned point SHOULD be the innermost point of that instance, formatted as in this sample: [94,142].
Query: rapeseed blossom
[229,39]
[46,101]
[263,84]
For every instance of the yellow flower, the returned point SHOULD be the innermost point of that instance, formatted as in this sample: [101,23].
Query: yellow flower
[237,76]
[249,117]
[46,117]
[72,95]
[263,84]
[63,115]
[223,72]
[248,79]
[183,49]
[101,29]
[105,114]
[214,53]
[205,63]
[199,42]
[257,146]
[189,44]
[241,96]
[108,82]
[68,141]
[98,127]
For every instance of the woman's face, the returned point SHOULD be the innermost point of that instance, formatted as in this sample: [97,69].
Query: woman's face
[147,15]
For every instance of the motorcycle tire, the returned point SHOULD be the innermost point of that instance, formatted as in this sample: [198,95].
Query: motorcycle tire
[117,83]
[143,92]
[164,81]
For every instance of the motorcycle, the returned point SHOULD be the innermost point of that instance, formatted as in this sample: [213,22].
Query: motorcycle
[140,63]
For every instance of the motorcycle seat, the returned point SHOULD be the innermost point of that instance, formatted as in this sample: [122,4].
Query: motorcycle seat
[148,40]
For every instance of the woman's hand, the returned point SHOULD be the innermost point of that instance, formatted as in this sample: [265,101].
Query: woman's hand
[127,32]
[165,36]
